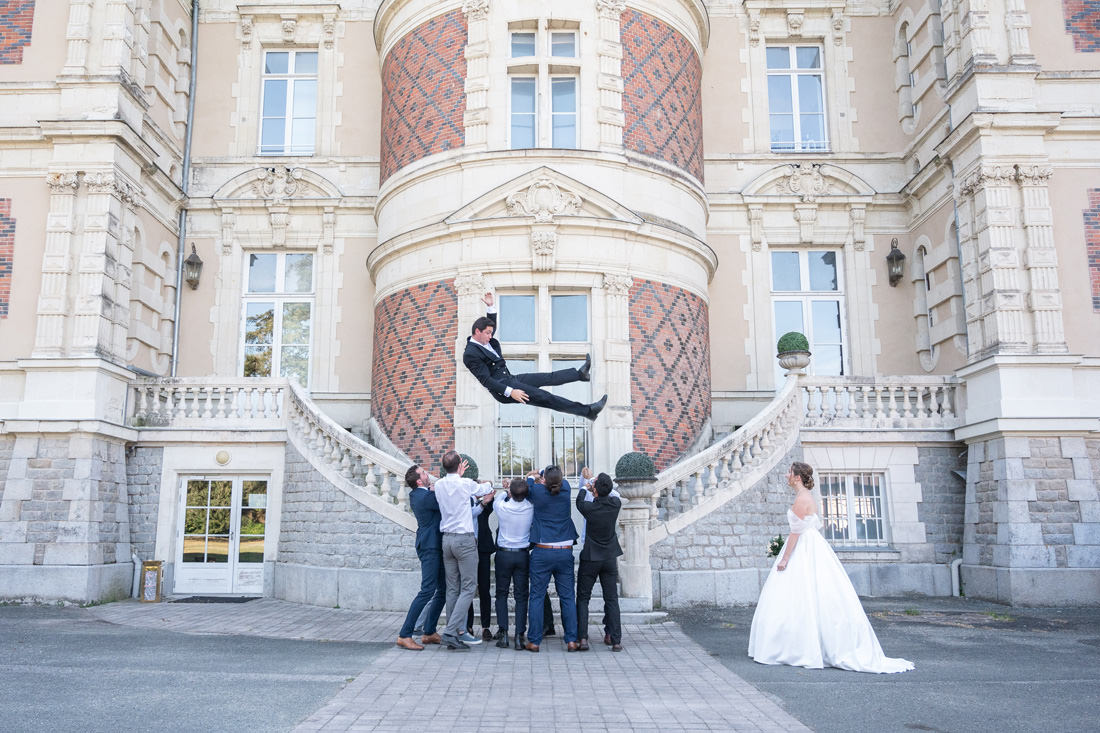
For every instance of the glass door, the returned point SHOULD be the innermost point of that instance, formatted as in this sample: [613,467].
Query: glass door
[221,535]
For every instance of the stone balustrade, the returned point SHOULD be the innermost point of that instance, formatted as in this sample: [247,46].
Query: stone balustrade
[207,402]
[862,403]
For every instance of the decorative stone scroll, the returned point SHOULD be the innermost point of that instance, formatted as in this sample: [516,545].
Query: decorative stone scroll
[543,200]
[804,180]
[59,182]
[610,7]
[277,183]
[469,284]
[476,9]
[543,243]
[617,284]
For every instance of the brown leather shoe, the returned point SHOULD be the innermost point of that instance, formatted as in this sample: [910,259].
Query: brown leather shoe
[486,635]
[571,646]
[531,647]
[616,647]
[406,642]
[431,639]
[582,645]
[607,639]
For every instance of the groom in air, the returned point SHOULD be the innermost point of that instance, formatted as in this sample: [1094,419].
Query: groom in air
[485,361]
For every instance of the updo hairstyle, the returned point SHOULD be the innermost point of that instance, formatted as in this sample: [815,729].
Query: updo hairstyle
[805,472]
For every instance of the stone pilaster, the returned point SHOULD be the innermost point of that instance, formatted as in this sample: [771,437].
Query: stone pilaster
[617,363]
[1041,261]
[476,117]
[610,112]
[53,298]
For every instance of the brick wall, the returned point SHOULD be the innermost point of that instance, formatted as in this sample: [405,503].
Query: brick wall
[1092,244]
[662,93]
[1083,23]
[943,495]
[413,369]
[143,467]
[7,254]
[16,21]
[423,92]
[323,527]
[670,369]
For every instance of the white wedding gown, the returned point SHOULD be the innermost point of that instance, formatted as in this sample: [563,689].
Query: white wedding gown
[809,614]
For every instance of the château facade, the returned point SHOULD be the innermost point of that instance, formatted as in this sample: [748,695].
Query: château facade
[669,185]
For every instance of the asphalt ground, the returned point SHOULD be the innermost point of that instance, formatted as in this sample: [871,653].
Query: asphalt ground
[61,670]
[979,667]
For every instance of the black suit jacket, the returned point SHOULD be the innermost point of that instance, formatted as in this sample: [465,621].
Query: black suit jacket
[491,372]
[485,540]
[601,515]
[426,509]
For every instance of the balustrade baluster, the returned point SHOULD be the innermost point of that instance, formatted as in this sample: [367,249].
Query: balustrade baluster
[697,487]
[369,481]
[735,461]
[387,486]
[653,511]
[345,463]
[828,402]
[712,481]
[208,402]
[950,407]
[892,393]
[816,399]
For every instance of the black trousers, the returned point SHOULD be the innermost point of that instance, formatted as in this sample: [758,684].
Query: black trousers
[607,571]
[513,569]
[530,383]
[484,592]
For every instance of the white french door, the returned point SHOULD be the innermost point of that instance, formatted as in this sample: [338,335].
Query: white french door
[222,526]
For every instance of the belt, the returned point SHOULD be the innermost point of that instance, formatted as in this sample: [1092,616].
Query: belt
[460,534]
[513,549]
[552,547]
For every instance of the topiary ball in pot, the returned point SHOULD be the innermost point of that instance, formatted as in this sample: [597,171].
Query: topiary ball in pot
[792,341]
[635,465]
[471,468]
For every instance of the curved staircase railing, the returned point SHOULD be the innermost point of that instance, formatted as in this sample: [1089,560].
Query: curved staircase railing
[696,486]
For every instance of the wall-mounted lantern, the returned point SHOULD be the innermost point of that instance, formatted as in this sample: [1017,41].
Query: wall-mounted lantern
[192,268]
[895,263]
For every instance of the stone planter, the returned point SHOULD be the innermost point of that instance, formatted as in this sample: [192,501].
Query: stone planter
[794,361]
[635,570]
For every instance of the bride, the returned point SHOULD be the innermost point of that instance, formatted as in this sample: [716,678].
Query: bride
[808,614]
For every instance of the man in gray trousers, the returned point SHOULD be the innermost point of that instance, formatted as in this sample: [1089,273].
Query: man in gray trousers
[455,495]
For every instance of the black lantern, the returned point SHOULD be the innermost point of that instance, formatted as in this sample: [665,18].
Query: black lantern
[192,268]
[895,263]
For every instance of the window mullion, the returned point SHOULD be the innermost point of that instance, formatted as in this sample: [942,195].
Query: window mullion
[796,110]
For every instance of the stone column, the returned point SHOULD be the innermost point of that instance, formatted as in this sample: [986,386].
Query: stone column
[620,430]
[1041,261]
[53,299]
[635,570]
[476,117]
[610,112]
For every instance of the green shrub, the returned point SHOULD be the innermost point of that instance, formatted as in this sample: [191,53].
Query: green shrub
[792,341]
[471,469]
[635,465]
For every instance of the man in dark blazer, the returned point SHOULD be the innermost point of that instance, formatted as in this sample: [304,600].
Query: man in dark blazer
[429,549]
[486,546]
[599,559]
[485,361]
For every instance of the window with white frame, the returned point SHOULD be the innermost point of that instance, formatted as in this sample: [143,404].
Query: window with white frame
[808,297]
[796,98]
[853,505]
[543,70]
[288,121]
[277,327]
[543,331]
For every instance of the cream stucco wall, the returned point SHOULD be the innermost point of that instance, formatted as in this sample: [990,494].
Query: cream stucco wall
[30,201]
[196,358]
[729,326]
[1069,196]
[45,55]
[725,103]
[873,95]
[358,132]
[356,328]
[216,90]
[1051,44]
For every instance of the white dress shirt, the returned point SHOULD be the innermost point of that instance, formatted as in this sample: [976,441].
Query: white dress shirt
[453,494]
[590,495]
[514,521]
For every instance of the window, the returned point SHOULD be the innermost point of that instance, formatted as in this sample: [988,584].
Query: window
[289,106]
[278,316]
[543,71]
[543,331]
[853,508]
[927,350]
[807,296]
[796,99]
[905,76]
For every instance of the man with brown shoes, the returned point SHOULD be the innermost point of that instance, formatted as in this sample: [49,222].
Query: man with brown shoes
[429,549]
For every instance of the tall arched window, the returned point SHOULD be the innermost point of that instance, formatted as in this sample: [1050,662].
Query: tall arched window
[924,310]
[905,80]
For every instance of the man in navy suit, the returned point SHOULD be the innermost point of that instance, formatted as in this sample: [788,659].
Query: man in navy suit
[429,548]
[485,361]
[599,560]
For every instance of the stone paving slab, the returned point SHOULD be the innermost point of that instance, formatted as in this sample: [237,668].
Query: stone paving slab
[662,681]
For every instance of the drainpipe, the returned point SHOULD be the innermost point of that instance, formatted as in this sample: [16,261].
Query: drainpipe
[956,580]
[186,182]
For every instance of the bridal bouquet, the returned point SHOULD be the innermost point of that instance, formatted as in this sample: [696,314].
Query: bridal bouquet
[775,546]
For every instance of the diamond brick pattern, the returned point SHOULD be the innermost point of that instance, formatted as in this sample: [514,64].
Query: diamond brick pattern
[1092,244]
[7,254]
[1083,23]
[413,377]
[670,369]
[16,20]
[424,92]
[662,93]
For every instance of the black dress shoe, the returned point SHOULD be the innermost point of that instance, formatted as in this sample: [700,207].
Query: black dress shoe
[549,631]
[582,645]
[596,408]
[499,634]
[454,644]
[486,635]
[584,372]
[521,642]
[502,641]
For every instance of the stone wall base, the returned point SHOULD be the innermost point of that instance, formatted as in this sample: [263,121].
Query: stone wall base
[73,583]
[685,588]
[1033,586]
[356,588]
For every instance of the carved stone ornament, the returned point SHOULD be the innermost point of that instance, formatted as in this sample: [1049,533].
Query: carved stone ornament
[993,175]
[1034,175]
[328,29]
[476,9]
[858,215]
[837,23]
[613,8]
[543,200]
[289,25]
[63,182]
[618,284]
[470,284]
[754,27]
[795,18]
[804,180]
[277,183]
[246,30]
[106,182]
[756,227]
[543,242]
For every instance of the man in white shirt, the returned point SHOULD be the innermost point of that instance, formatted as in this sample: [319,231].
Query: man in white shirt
[454,494]
[514,515]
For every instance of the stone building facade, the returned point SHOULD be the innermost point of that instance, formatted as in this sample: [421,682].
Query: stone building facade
[668,185]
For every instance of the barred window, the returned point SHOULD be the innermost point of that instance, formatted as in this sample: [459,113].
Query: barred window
[854,513]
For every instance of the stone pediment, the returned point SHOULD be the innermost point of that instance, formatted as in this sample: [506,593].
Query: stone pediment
[543,196]
[808,182]
[277,183]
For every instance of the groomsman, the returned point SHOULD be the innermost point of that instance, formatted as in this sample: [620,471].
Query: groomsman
[514,514]
[599,560]
[429,549]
